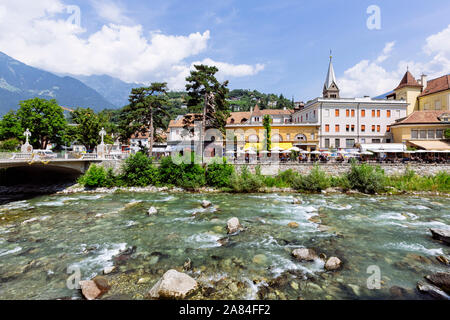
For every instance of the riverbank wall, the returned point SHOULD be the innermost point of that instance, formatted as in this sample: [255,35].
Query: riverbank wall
[334,169]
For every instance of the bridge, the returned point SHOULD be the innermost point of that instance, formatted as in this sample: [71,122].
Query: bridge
[60,162]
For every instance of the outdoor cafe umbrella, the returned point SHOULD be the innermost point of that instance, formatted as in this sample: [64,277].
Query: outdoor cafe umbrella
[367,153]
[304,152]
[286,151]
[295,149]
[276,149]
[315,152]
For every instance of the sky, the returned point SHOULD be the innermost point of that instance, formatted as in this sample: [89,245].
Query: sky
[278,46]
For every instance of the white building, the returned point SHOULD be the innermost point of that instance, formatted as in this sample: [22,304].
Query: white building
[344,122]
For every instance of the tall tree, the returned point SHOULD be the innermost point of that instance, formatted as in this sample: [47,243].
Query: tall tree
[10,127]
[45,119]
[207,99]
[267,126]
[146,111]
[86,127]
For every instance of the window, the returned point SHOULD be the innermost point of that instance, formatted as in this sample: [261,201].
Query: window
[353,128]
[414,134]
[353,113]
[373,128]
[347,113]
[307,116]
[302,118]
[423,134]
[426,106]
[363,113]
[388,128]
[314,113]
[437,105]
[363,128]
[336,128]
[327,143]
[363,140]
[327,128]
[378,128]
[378,113]
[288,137]
[430,134]
[373,113]
[347,128]
[388,113]
[376,141]
[337,143]
[350,143]
[336,112]
[313,136]
[439,134]
[327,112]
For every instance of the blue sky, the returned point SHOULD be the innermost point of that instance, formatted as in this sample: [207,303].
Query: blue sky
[273,46]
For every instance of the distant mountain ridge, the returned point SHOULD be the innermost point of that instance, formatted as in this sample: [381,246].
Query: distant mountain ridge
[19,81]
[114,90]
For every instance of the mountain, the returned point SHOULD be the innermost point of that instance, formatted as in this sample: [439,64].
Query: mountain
[19,81]
[114,90]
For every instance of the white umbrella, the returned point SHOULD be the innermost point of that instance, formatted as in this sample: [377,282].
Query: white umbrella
[251,152]
[367,153]
[230,152]
[276,149]
[286,151]
[295,149]
[304,152]
[264,152]
[341,152]
[315,152]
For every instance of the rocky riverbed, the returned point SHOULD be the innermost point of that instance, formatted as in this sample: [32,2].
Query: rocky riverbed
[283,246]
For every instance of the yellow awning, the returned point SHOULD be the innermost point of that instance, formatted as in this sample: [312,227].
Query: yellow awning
[259,146]
[431,145]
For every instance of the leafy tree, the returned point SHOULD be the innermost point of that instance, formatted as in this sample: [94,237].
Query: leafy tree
[267,126]
[87,126]
[447,134]
[202,84]
[146,111]
[10,127]
[9,145]
[45,119]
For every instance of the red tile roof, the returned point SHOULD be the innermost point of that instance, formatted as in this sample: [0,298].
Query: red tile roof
[180,122]
[408,81]
[437,85]
[421,117]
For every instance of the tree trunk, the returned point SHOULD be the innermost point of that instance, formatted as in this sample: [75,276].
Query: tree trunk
[151,132]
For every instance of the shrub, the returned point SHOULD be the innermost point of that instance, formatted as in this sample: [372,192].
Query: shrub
[9,145]
[95,177]
[412,182]
[366,179]
[315,181]
[219,174]
[138,171]
[246,182]
[185,175]
[169,172]
[111,179]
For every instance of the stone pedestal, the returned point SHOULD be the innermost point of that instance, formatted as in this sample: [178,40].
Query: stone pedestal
[26,148]
[101,151]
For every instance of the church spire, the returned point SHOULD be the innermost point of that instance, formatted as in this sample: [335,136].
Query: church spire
[330,88]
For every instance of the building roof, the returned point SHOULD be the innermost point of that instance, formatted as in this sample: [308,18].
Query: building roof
[239,117]
[421,117]
[437,85]
[140,135]
[179,121]
[257,111]
[331,77]
[408,81]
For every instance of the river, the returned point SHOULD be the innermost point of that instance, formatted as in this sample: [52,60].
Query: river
[40,238]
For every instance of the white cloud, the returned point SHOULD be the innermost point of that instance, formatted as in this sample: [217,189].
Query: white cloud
[111,11]
[38,33]
[371,78]
[231,70]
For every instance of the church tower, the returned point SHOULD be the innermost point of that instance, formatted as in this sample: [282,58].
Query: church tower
[330,88]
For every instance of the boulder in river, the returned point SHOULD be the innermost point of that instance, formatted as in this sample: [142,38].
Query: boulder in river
[108,270]
[293,225]
[304,254]
[206,204]
[173,285]
[233,225]
[333,264]
[441,235]
[434,291]
[152,211]
[441,280]
[95,288]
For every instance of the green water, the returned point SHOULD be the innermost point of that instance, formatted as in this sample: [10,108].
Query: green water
[40,238]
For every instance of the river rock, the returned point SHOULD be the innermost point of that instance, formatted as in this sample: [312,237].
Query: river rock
[173,285]
[441,280]
[152,211]
[293,225]
[108,270]
[441,235]
[305,254]
[297,201]
[95,288]
[434,291]
[206,204]
[233,225]
[259,259]
[333,264]
[443,260]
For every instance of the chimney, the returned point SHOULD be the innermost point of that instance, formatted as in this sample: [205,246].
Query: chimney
[284,108]
[423,81]
[251,109]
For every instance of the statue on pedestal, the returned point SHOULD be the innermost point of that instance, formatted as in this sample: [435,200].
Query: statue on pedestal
[27,147]
[101,148]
